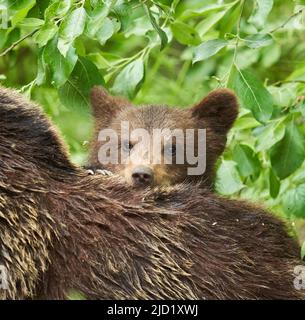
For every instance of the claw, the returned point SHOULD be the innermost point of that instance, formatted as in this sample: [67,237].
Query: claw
[104,172]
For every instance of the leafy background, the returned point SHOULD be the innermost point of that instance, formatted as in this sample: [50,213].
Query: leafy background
[174,52]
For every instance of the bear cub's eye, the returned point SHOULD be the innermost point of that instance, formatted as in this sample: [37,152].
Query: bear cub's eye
[170,150]
[127,145]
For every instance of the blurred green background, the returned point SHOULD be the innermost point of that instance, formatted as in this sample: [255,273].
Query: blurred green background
[174,52]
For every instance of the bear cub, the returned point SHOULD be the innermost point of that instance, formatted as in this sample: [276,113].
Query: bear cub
[215,113]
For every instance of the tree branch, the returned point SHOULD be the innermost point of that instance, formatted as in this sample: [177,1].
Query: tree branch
[288,20]
[14,44]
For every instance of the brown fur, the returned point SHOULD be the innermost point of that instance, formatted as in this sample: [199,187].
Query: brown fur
[61,229]
[216,113]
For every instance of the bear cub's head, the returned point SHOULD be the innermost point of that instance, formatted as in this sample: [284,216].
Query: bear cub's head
[159,145]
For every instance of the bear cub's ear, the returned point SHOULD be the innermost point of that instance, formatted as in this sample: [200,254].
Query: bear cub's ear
[219,109]
[104,105]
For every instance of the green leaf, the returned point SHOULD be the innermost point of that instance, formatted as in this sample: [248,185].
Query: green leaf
[100,61]
[229,20]
[258,40]
[288,154]
[205,25]
[274,184]
[259,17]
[20,4]
[116,25]
[247,57]
[208,49]
[271,55]
[206,10]
[72,27]
[30,23]
[269,135]
[105,32]
[294,201]
[46,33]
[139,27]
[284,95]
[79,46]
[20,9]
[96,19]
[298,74]
[75,92]
[57,9]
[185,34]
[128,79]
[125,13]
[252,94]
[3,37]
[161,33]
[247,161]
[41,69]
[228,180]
[59,66]
[247,122]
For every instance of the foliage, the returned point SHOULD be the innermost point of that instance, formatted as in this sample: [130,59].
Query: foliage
[174,52]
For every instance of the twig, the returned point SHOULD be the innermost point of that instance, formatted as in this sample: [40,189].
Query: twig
[238,30]
[288,20]
[227,74]
[287,81]
[14,44]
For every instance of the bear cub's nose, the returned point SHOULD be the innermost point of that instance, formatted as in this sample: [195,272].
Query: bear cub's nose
[142,176]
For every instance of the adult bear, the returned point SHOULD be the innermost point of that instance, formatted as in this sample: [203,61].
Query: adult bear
[63,230]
